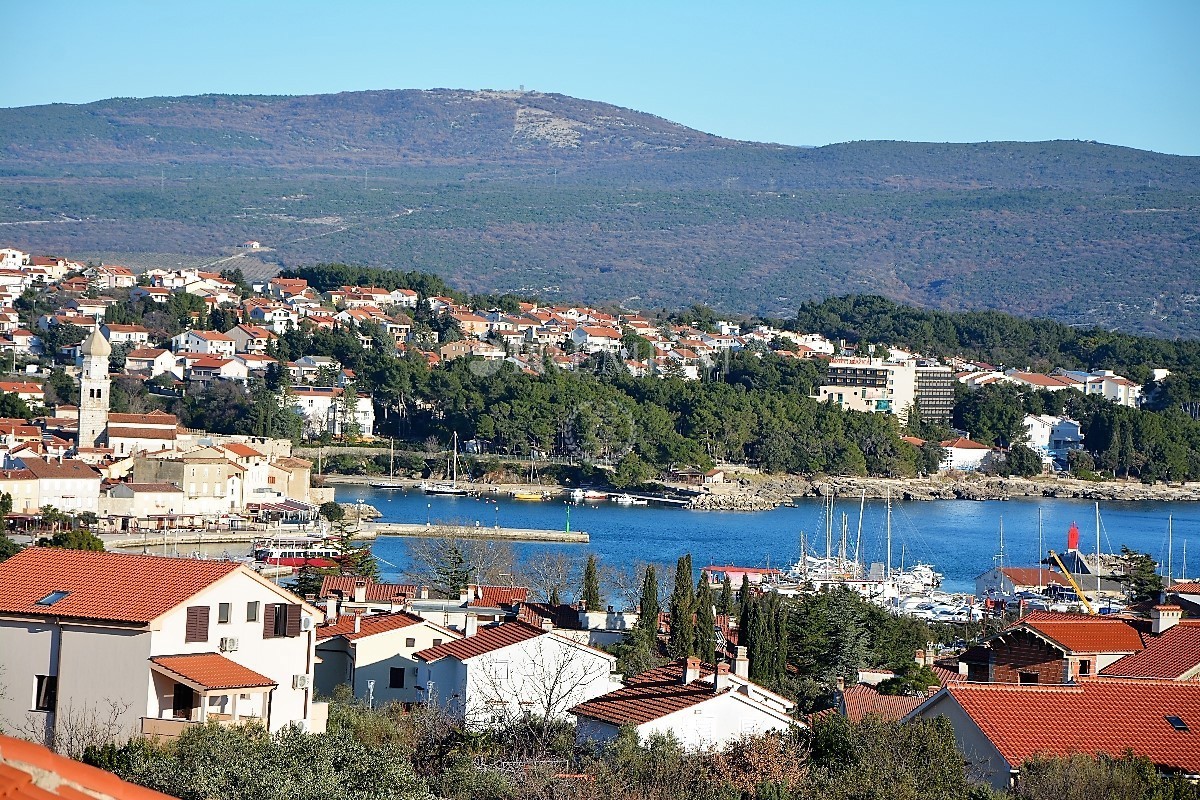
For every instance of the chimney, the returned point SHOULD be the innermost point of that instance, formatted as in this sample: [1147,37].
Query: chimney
[471,625]
[1163,618]
[932,690]
[360,590]
[721,677]
[919,657]
[423,592]
[928,655]
[332,604]
[963,669]
[357,623]
[840,684]
[741,663]
[691,669]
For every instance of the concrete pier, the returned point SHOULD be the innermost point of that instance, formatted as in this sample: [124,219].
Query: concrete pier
[436,531]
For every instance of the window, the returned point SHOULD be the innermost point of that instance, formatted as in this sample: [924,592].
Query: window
[436,642]
[396,678]
[1027,677]
[410,642]
[196,629]
[252,611]
[1177,723]
[223,612]
[52,598]
[281,619]
[46,694]
[1085,668]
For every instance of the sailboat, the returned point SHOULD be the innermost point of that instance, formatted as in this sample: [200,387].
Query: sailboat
[443,487]
[834,567]
[390,482]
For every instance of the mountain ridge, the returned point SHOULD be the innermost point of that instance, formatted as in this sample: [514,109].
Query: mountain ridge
[577,199]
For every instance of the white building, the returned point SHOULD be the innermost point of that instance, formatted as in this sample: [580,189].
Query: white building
[1053,436]
[373,654]
[324,409]
[502,674]
[699,706]
[209,343]
[65,484]
[871,384]
[965,455]
[156,643]
[594,339]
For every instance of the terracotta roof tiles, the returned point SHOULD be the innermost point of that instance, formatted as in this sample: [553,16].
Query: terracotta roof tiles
[486,641]
[1081,633]
[212,671]
[29,771]
[865,701]
[498,596]
[375,592]
[369,625]
[1093,716]
[647,696]
[1173,655]
[107,586]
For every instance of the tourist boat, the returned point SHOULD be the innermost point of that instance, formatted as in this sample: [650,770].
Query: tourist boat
[587,496]
[307,551]
[623,500]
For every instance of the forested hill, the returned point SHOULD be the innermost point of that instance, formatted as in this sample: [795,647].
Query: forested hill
[563,198]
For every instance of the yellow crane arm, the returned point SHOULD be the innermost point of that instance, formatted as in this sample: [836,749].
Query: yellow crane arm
[1074,585]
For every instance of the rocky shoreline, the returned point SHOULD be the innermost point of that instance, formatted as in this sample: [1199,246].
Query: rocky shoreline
[761,492]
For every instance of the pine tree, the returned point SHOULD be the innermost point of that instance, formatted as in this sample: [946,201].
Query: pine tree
[648,607]
[705,636]
[592,598]
[725,602]
[682,641]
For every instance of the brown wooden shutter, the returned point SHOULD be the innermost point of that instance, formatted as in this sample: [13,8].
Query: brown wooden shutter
[269,621]
[293,619]
[197,624]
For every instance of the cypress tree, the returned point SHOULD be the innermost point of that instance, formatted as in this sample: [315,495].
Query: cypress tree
[682,642]
[706,639]
[553,599]
[591,585]
[743,598]
[648,606]
[725,603]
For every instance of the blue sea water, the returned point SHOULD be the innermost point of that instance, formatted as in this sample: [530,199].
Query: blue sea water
[959,537]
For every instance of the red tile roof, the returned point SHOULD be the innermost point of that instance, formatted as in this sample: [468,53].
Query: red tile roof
[648,696]
[376,592]
[497,596]
[29,771]
[212,671]
[369,625]
[243,450]
[863,701]
[153,418]
[1081,633]
[69,469]
[486,641]
[1191,587]
[1173,655]
[1033,576]
[107,586]
[1094,716]
[963,443]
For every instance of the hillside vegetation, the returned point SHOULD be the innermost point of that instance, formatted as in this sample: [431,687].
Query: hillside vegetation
[563,198]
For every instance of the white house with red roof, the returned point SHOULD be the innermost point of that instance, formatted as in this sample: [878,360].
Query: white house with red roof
[250,338]
[210,343]
[965,455]
[998,727]
[1171,652]
[159,643]
[514,670]
[373,654]
[700,705]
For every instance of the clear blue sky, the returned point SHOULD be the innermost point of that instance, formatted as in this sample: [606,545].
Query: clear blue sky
[794,72]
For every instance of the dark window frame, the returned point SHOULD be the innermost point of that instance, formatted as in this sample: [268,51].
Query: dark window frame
[45,693]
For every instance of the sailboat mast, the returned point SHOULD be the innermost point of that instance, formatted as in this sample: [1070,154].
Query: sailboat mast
[1170,547]
[454,469]
[1041,558]
[829,530]
[845,534]
[858,537]
[1001,556]
[391,457]
[1097,553]
[887,573]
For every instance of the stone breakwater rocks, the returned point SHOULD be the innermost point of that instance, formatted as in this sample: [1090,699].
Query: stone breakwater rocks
[758,493]
[354,510]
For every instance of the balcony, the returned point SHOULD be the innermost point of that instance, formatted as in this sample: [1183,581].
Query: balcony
[172,728]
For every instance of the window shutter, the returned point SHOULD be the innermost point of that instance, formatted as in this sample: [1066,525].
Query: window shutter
[197,624]
[269,621]
[293,619]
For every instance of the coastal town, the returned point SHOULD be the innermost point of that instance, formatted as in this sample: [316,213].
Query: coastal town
[104,642]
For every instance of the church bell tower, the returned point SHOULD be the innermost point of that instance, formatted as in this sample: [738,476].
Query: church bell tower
[93,390]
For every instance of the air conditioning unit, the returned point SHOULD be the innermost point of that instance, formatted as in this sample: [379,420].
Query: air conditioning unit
[299,681]
[306,623]
[229,644]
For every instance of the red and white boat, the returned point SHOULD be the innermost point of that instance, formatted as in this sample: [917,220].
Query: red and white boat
[308,551]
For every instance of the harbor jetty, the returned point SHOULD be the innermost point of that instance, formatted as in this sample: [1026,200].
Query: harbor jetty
[449,531]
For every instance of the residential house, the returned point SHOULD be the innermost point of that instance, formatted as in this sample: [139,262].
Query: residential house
[1008,581]
[141,506]
[210,343]
[153,294]
[22,486]
[1171,653]
[965,455]
[66,484]
[325,408]
[125,334]
[158,643]
[701,706]
[154,361]
[373,654]
[997,728]
[31,393]
[593,339]
[513,670]
[142,433]
[212,484]
[1051,436]
[1049,647]
[250,338]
